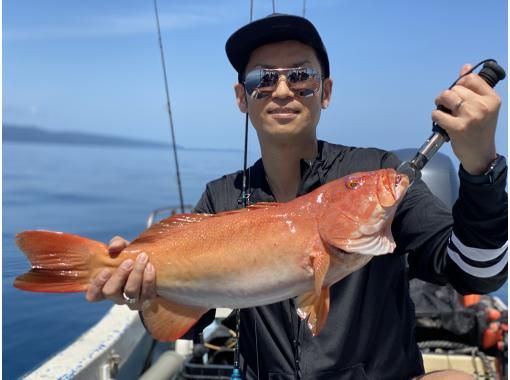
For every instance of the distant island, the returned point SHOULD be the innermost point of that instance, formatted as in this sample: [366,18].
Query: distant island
[18,133]
[22,134]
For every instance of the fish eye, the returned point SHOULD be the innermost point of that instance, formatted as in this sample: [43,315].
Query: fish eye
[352,184]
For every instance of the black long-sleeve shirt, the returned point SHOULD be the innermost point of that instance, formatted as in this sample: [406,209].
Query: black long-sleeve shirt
[369,333]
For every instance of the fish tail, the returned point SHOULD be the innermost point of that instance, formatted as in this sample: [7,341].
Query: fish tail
[60,262]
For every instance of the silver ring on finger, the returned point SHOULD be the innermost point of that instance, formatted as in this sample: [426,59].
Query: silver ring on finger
[459,104]
[129,300]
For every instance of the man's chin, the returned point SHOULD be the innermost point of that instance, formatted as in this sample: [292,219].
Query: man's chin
[284,133]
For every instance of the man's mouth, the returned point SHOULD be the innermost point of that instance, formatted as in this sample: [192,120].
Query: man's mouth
[282,111]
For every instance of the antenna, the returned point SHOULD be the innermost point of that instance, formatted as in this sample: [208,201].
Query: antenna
[169,109]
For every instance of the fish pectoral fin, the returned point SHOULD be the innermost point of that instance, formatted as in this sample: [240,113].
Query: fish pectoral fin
[168,321]
[320,263]
[314,309]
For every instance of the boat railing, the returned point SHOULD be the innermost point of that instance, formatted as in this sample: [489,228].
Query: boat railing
[163,212]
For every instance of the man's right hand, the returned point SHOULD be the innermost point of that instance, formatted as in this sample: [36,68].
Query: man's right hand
[134,279]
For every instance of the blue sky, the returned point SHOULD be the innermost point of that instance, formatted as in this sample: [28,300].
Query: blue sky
[95,66]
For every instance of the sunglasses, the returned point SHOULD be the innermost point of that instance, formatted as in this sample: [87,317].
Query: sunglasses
[260,83]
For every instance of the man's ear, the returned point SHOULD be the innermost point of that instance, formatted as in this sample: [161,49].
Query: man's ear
[327,89]
[241,97]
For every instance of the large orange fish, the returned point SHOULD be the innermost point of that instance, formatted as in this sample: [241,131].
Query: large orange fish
[263,254]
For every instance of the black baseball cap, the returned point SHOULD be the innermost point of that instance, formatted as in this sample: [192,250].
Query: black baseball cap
[274,28]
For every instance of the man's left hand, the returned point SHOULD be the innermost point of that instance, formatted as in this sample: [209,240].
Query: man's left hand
[474,107]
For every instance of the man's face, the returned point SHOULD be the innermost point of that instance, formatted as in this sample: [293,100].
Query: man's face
[283,114]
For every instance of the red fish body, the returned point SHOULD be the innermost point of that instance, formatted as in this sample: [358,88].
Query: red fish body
[266,253]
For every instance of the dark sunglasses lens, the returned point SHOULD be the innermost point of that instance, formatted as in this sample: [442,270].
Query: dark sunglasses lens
[296,76]
[252,81]
[305,92]
[304,82]
[269,79]
[261,83]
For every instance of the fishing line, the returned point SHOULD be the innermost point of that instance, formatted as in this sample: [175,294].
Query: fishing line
[169,109]
[471,70]
[296,339]
[236,372]
[244,195]
[257,349]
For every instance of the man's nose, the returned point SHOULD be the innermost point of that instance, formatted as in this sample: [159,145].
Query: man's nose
[282,89]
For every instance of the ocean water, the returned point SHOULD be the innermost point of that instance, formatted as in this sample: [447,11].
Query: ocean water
[93,191]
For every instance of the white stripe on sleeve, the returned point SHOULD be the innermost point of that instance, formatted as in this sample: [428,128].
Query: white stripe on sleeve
[476,271]
[477,254]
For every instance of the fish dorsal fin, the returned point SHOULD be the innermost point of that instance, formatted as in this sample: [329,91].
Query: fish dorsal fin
[254,207]
[180,220]
[166,226]
[261,205]
[168,321]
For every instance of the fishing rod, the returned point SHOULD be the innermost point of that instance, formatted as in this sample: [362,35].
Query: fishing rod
[169,109]
[492,73]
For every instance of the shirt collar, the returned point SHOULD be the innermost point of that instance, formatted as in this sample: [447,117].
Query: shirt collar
[313,173]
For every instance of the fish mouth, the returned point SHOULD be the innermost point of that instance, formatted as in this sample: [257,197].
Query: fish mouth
[401,184]
[392,187]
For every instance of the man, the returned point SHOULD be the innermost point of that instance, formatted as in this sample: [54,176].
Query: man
[284,82]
